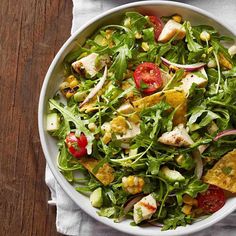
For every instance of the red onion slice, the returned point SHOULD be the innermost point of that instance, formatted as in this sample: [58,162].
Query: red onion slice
[225,133]
[189,67]
[129,204]
[95,90]
[155,223]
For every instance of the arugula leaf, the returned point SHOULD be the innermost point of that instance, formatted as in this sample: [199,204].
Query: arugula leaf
[205,117]
[107,212]
[219,48]
[119,66]
[191,187]
[175,81]
[153,165]
[176,218]
[151,118]
[137,21]
[70,117]
[63,130]
[191,44]
[148,35]
[194,187]
[230,73]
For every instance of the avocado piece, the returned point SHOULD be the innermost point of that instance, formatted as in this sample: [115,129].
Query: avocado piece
[171,175]
[53,122]
[185,161]
[96,198]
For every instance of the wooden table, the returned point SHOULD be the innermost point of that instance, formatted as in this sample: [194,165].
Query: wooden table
[31,32]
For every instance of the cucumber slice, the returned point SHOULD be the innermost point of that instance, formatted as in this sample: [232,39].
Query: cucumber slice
[96,198]
[53,122]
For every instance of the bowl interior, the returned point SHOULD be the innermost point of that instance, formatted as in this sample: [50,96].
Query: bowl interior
[54,78]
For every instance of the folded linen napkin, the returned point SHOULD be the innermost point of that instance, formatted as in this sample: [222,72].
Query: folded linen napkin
[70,220]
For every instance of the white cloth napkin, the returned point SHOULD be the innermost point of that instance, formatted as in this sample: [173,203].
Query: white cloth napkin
[70,220]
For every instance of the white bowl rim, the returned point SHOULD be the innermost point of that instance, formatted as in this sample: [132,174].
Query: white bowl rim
[60,179]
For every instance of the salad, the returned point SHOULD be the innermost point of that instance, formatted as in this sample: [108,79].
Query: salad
[145,120]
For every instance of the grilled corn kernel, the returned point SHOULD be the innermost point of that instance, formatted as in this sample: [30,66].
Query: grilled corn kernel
[205,36]
[145,46]
[138,35]
[70,78]
[177,18]
[232,50]
[108,33]
[107,137]
[92,127]
[189,200]
[133,184]
[69,94]
[119,125]
[74,83]
[186,209]
[64,85]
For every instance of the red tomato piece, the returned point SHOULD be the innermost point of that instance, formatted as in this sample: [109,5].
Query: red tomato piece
[211,200]
[157,24]
[147,77]
[76,145]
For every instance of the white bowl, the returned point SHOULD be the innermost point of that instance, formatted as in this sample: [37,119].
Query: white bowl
[51,83]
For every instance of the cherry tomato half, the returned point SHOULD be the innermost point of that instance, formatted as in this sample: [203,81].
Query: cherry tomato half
[211,200]
[147,77]
[76,146]
[157,24]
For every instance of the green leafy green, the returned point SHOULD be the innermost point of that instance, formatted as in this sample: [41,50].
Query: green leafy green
[191,44]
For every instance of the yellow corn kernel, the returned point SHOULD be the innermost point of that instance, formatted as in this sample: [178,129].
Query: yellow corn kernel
[189,200]
[70,78]
[145,46]
[106,138]
[140,181]
[64,85]
[119,125]
[125,183]
[108,33]
[186,209]
[92,127]
[138,35]
[209,50]
[69,94]
[74,83]
[130,181]
[205,36]
[177,18]
[133,184]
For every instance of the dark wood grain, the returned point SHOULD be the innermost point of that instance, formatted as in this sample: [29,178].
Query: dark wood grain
[31,32]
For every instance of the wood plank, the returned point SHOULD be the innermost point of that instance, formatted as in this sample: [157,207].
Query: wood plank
[31,32]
